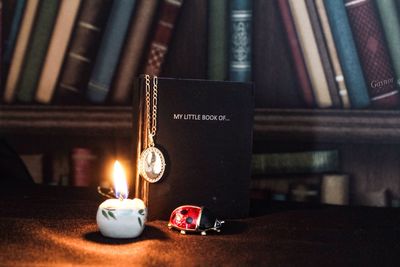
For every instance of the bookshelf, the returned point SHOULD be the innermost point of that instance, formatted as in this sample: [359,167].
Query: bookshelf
[368,140]
[304,125]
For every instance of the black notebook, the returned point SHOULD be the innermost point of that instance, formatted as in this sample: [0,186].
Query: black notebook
[204,130]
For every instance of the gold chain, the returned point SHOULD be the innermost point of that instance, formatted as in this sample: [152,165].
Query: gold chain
[151,123]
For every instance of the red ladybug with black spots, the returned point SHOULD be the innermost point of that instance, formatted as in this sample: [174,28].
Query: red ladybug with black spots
[194,219]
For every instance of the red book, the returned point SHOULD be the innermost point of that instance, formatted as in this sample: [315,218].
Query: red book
[162,36]
[375,59]
[297,55]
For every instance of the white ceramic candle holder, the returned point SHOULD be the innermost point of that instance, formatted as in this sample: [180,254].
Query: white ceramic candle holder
[121,218]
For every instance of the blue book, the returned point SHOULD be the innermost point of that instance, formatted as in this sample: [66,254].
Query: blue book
[110,50]
[12,37]
[240,40]
[347,52]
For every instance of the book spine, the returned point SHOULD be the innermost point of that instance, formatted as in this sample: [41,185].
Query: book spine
[296,162]
[162,36]
[57,48]
[311,55]
[240,40]
[217,40]
[21,47]
[110,50]
[299,64]
[37,50]
[333,54]
[9,43]
[82,52]
[391,26]
[347,52]
[323,53]
[374,56]
[133,51]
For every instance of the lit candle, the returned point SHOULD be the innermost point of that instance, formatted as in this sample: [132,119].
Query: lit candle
[121,217]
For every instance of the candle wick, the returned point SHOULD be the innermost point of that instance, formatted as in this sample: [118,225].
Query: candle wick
[121,197]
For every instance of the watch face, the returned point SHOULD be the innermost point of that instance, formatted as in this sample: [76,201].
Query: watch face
[151,164]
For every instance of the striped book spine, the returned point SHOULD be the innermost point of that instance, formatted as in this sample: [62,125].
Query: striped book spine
[323,53]
[15,25]
[217,40]
[333,54]
[37,50]
[57,48]
[20,50]
[82,52]
[347,52]
[298,60]
[312,58]
[240,41]
[162,36]
[374,55]
[132,52]
[110,50]
[391,26]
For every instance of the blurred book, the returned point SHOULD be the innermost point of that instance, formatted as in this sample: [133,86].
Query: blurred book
[34,164]
[160,40]
[335,189]
[297,188]
[83,166]
[318,161]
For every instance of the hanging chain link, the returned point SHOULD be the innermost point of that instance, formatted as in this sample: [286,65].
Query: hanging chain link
[151,117]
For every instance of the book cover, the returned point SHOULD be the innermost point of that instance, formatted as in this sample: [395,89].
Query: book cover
[323,53]
[128,66]
[20,50]
[82,51]
[207,146]
[333,54]
[217,63]
[311,55]
[110,50]
[374,56]
[299,64]
[56,51]
[11,37]
[160,41]
[347,52]
[318,161]
[37,49]
[391,25]
[240,40]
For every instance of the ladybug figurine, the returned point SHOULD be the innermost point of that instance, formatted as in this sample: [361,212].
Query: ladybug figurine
[194,219]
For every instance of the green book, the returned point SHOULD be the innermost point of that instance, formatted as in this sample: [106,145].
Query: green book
[296,162]
[37,50]
[217,40]
[391,26]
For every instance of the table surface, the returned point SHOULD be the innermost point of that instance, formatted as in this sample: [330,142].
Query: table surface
[53,226]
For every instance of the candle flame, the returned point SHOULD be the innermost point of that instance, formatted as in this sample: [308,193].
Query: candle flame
[120,184]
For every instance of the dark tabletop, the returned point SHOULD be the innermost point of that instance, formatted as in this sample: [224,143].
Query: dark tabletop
[53,226]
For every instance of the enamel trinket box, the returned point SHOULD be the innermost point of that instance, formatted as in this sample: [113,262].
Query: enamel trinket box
[190,218]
